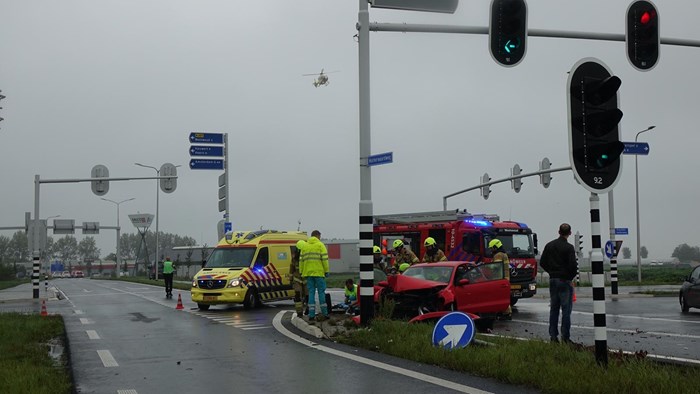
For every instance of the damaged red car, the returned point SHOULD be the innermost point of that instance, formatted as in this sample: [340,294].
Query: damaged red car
[479,289]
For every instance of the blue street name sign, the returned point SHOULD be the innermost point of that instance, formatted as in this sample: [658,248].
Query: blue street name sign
[622,231]
[454,330]
[207,138]
[206,150]
[636,148]
[382,158]
[206,164]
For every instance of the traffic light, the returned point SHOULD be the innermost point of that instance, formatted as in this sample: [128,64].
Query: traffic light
[594,135]
[516,184]
[578,244]
[545,179]
[485,190]
[508,31]
[100,188]
[1,97]
[642,35]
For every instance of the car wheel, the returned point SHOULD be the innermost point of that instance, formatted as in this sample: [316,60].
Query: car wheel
[250,301]
[684,304]
[203,307]
[513,301]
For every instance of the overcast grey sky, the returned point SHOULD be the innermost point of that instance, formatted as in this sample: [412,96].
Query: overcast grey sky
[118,82]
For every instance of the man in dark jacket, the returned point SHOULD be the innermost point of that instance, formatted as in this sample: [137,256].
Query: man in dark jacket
[559,260]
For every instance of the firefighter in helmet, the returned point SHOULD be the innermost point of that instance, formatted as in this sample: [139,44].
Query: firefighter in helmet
[499,255]
[301,294]
[432,252]
[403,254]
[378,258]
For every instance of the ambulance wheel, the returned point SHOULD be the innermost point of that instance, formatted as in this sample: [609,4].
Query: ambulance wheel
[251,299]
[203,307]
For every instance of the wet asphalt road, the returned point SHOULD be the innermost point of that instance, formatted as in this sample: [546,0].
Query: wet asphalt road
[126,336]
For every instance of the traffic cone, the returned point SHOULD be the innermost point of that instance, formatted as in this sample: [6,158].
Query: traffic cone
[179,302]
[573,290]
[43,308]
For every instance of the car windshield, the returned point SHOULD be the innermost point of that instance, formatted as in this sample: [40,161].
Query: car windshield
[230,258]
[433,273]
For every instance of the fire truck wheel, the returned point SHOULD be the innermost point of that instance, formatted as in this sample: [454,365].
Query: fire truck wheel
[513,301]
[251,299]
[203,307]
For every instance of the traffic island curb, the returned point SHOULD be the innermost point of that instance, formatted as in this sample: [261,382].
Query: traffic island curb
[306,327]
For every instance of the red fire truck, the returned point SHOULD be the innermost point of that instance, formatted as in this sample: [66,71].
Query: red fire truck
[465,237]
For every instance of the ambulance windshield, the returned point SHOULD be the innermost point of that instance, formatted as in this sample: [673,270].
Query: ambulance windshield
[230,258]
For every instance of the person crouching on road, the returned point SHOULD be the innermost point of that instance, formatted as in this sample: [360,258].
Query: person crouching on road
[432,254]
[499,255]
[301,293]
[168,269]
[350,296]
[314,267]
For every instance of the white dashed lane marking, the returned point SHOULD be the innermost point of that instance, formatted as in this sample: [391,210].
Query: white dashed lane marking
[92,334]
[107,359]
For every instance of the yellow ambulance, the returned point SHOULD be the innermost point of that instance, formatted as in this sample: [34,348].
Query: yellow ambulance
[249,268]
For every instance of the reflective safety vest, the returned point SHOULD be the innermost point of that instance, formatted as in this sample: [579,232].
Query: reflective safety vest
[351,294]
[168,267]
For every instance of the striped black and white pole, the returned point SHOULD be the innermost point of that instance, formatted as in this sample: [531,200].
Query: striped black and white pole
[46,282]
[366,263]
[599,330]
[35,274]
[613,259]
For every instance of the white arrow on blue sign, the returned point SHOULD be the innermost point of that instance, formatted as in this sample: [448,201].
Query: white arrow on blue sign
[206,150]
[454,330]
[206,164]
[636,148]
[609,249]
[207,138]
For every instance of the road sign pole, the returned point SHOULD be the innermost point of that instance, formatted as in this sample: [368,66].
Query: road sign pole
[36,264]
[613,259]
[228,189]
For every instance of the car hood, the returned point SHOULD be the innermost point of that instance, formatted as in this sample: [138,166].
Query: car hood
[400,283]
[219,273]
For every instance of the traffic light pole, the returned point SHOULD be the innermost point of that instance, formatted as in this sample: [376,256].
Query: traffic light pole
[598,279]
[613,259]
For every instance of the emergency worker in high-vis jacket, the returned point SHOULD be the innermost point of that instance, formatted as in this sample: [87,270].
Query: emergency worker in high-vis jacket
[433,254]
[314,267]
[499,254]
[403,254]
[298,282]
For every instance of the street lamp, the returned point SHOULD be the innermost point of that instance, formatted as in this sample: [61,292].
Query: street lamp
[157,170]
[636,178]
[118,227]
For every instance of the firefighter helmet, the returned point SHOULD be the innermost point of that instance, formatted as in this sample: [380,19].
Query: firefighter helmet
[376,249]
[403,267]
[430,241]
[397,244]
[495,244]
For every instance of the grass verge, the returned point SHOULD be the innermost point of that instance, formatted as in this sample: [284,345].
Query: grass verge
[25,363]
[552,368]
[6,284]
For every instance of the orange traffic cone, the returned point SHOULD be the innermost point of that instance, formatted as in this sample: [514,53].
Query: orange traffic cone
[179,302]
[43,308]
[573,290]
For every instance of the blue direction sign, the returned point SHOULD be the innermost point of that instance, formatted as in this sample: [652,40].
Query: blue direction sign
[206,150]
[382,158]
[454,330]
[636,148]
[206,164]
[609,249]
[622,231]
[207,138]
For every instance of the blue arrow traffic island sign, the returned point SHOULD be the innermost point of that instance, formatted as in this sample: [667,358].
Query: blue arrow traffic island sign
[206,164]
[454,330]
[636,148]
[207,138]
[609,249]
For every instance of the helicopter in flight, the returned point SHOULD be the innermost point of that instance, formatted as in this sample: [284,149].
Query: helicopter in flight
[321,79]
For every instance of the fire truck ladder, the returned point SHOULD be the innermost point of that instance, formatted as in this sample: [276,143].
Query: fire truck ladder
[432,216]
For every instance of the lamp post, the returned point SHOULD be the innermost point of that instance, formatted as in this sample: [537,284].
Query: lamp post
[636,178]
[118,227]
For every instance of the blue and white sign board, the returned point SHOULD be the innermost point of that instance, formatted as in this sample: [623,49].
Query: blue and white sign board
[206,164]
[609,249]
[206,150]
[206,138]
[622,231]
[636,148]
[228,227]
[454,330]
[382,158]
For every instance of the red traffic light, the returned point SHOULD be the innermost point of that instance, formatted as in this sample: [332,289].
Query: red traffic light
[645,18]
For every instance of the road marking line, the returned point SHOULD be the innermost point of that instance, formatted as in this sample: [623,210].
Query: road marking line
[107,358]
[128,391]
[87,291]
[84,320]
[79,312]
[621,330]
[245,325]
[254,328]
[277,322]
[92,334]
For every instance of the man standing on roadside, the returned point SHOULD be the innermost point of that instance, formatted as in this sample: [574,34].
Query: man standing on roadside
[559,260]
[168,270]
[313,264]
